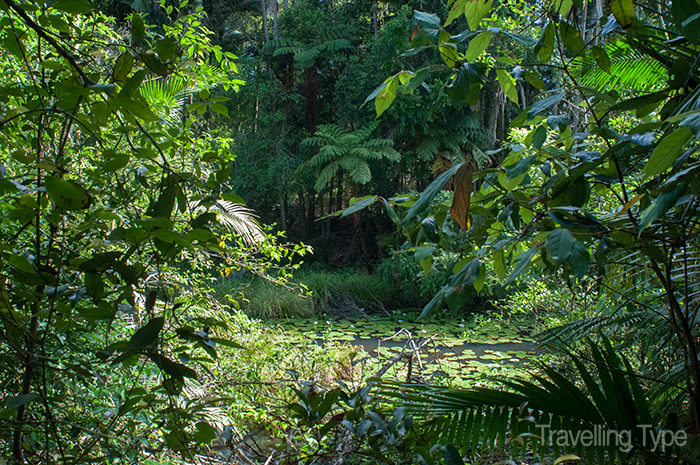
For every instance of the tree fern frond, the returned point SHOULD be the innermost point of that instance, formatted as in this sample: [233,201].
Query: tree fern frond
[286,50]
[336,44]
[325,176]
[428,148]
[305,58]
[361,173]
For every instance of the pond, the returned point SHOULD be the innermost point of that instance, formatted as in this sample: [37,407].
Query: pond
[458,350]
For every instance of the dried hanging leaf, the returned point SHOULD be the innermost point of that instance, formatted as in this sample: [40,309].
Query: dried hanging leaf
[463,191]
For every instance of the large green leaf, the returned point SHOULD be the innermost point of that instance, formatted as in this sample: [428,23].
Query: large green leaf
[478,45]
[358,204]
[623,10]
[147,335]
[571,38]
[560,243]
[67,195]
[429,194]
[507,83]
[579,260]
[523,261]
[667,151]
[74,6]
[475,10]
[545,45]
[660,206]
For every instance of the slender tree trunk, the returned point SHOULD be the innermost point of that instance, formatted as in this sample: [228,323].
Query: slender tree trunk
[263,6]
[339,193]
[311,212]
[283,211]
[275,14]
[375,20]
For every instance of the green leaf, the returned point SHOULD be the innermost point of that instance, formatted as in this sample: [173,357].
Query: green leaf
[456,11]
[571,38]
[138,30]
[448,49]
[499,265]
[692,122]
[534,80]
[623,11]
[558,122]
[580,260]
[147,335]
[391,212]
[220,109]
[166,48]
[67,195]
[523,261]
[475,11]
[507,84]
[123,66]
[115,161]
[427,18]
[386,96]
[660,206]
[667,151]
[542,105]
[600,55]
[154,63]
[478,45]
[451,455]
[14,402]
[559,243]
[359,204]
[429,194]
[135,106]
[418,78]
[545,45]
[539,137]
[562,7]
[205,433]
[174,369]
[74,6]
[520,167]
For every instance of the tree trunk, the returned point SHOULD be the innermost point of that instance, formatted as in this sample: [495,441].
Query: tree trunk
[339,193]
[311,212]
[375,21]
[275,14]
[263,6]
[283,212]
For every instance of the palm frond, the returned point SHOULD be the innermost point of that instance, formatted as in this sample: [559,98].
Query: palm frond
[235,217]
[629,69]
[478,419]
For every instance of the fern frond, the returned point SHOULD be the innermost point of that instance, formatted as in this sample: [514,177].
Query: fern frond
[360,173]
[335,44]
[325,176]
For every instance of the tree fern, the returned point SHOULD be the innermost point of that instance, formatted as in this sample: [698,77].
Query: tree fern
[340,149]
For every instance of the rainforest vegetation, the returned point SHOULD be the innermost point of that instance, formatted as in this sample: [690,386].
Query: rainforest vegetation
[349,232]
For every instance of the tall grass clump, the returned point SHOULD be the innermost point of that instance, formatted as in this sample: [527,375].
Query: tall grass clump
[339,293]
